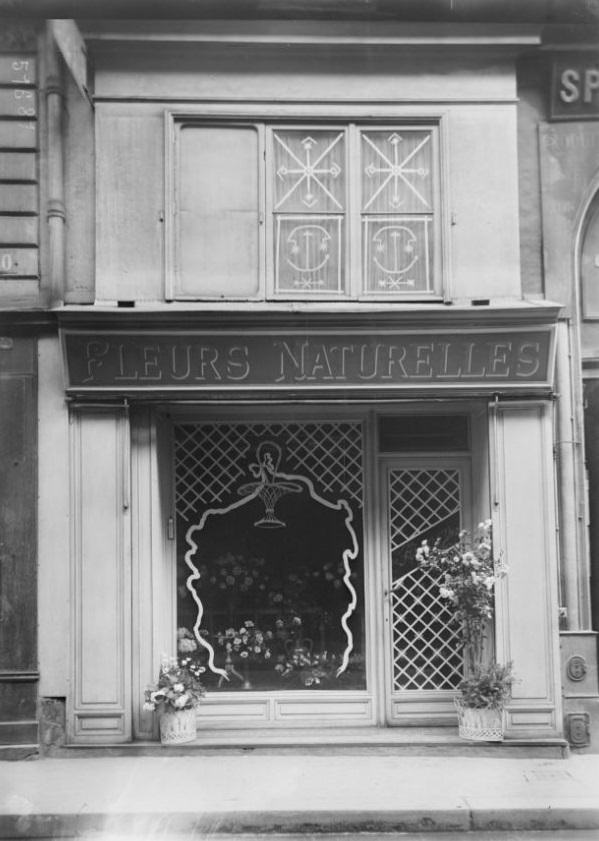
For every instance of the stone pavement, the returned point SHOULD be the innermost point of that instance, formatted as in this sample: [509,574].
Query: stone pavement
[199,795]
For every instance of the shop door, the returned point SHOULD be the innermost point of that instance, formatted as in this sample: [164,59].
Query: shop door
[423,500]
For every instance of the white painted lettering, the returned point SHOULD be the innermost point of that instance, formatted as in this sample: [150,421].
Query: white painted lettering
[321,366]
[208,360]
[238,366]
[528,362]
[94,351]
[124,361]
[423,361]
[151,363]
[499,365]
[176,353]
[287,358]
[469,367]
[591,83]
[569,91]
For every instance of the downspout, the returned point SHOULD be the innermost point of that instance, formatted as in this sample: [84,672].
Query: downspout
[55,207]
[568,449]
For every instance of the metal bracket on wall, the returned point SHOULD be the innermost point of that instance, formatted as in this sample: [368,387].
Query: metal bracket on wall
[578,729]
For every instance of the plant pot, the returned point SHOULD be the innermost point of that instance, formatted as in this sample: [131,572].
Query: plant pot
[479,725]
[177,726]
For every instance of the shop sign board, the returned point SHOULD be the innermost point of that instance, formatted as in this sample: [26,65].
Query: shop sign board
[205,360]
[575,86]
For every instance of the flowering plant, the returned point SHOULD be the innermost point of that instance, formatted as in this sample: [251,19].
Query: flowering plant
[488,687]
[248,643]
[469,577]
[186,643]
[179,686]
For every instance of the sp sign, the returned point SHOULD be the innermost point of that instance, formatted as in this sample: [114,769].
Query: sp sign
[575,87]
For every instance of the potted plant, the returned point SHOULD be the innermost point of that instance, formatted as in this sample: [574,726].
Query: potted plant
[175,697]
[481,701]
[468,576]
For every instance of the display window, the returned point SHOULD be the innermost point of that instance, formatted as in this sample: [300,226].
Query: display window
[296,568]
[270,579]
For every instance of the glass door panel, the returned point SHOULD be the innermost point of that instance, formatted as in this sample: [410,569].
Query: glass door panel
[424,658]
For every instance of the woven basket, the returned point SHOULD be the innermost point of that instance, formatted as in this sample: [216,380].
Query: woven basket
[177,726]
[479,725]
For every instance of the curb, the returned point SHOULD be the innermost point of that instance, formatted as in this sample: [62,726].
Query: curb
[192,824]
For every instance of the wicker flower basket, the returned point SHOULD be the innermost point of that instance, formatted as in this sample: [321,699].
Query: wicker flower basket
[177,726]
[479,725]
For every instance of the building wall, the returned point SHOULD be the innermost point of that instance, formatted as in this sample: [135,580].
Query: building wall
[19,288]
[474,99]
[500,184]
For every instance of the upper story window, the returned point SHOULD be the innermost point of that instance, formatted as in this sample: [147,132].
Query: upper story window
[305,212]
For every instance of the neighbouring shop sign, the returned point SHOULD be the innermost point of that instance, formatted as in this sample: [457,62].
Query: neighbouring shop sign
[575,86]
[225,361]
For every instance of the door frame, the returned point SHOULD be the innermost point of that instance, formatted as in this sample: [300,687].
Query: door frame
[154,561]
[414,707]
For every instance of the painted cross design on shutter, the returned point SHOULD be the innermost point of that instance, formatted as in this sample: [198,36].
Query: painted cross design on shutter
[309,188]
[397,210]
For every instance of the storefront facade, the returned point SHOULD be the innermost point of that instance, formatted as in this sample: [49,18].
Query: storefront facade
[299,332]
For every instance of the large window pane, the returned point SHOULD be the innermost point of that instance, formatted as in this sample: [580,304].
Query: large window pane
[309,203]
[217,212]
[397,208]
[270,571]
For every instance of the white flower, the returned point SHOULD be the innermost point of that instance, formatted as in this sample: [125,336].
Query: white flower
[181,701]
[178,687]
[243,654]
[186,645]
[446,592]
[149,706]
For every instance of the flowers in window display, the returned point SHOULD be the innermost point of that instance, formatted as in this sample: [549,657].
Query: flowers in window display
[247,642]
[179,686]
[469,577]
[296,657]
[232,574]
[186,643]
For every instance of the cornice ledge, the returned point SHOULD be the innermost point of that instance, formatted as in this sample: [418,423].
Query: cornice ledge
[174,317]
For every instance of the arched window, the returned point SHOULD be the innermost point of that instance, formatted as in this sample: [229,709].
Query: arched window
[589,262]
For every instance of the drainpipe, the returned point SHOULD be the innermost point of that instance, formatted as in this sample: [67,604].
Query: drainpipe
[573,558]
[55,207]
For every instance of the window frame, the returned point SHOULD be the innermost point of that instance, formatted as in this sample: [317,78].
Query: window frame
[352,119]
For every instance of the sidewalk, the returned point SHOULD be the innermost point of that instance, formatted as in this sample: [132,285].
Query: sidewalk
[156,797]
